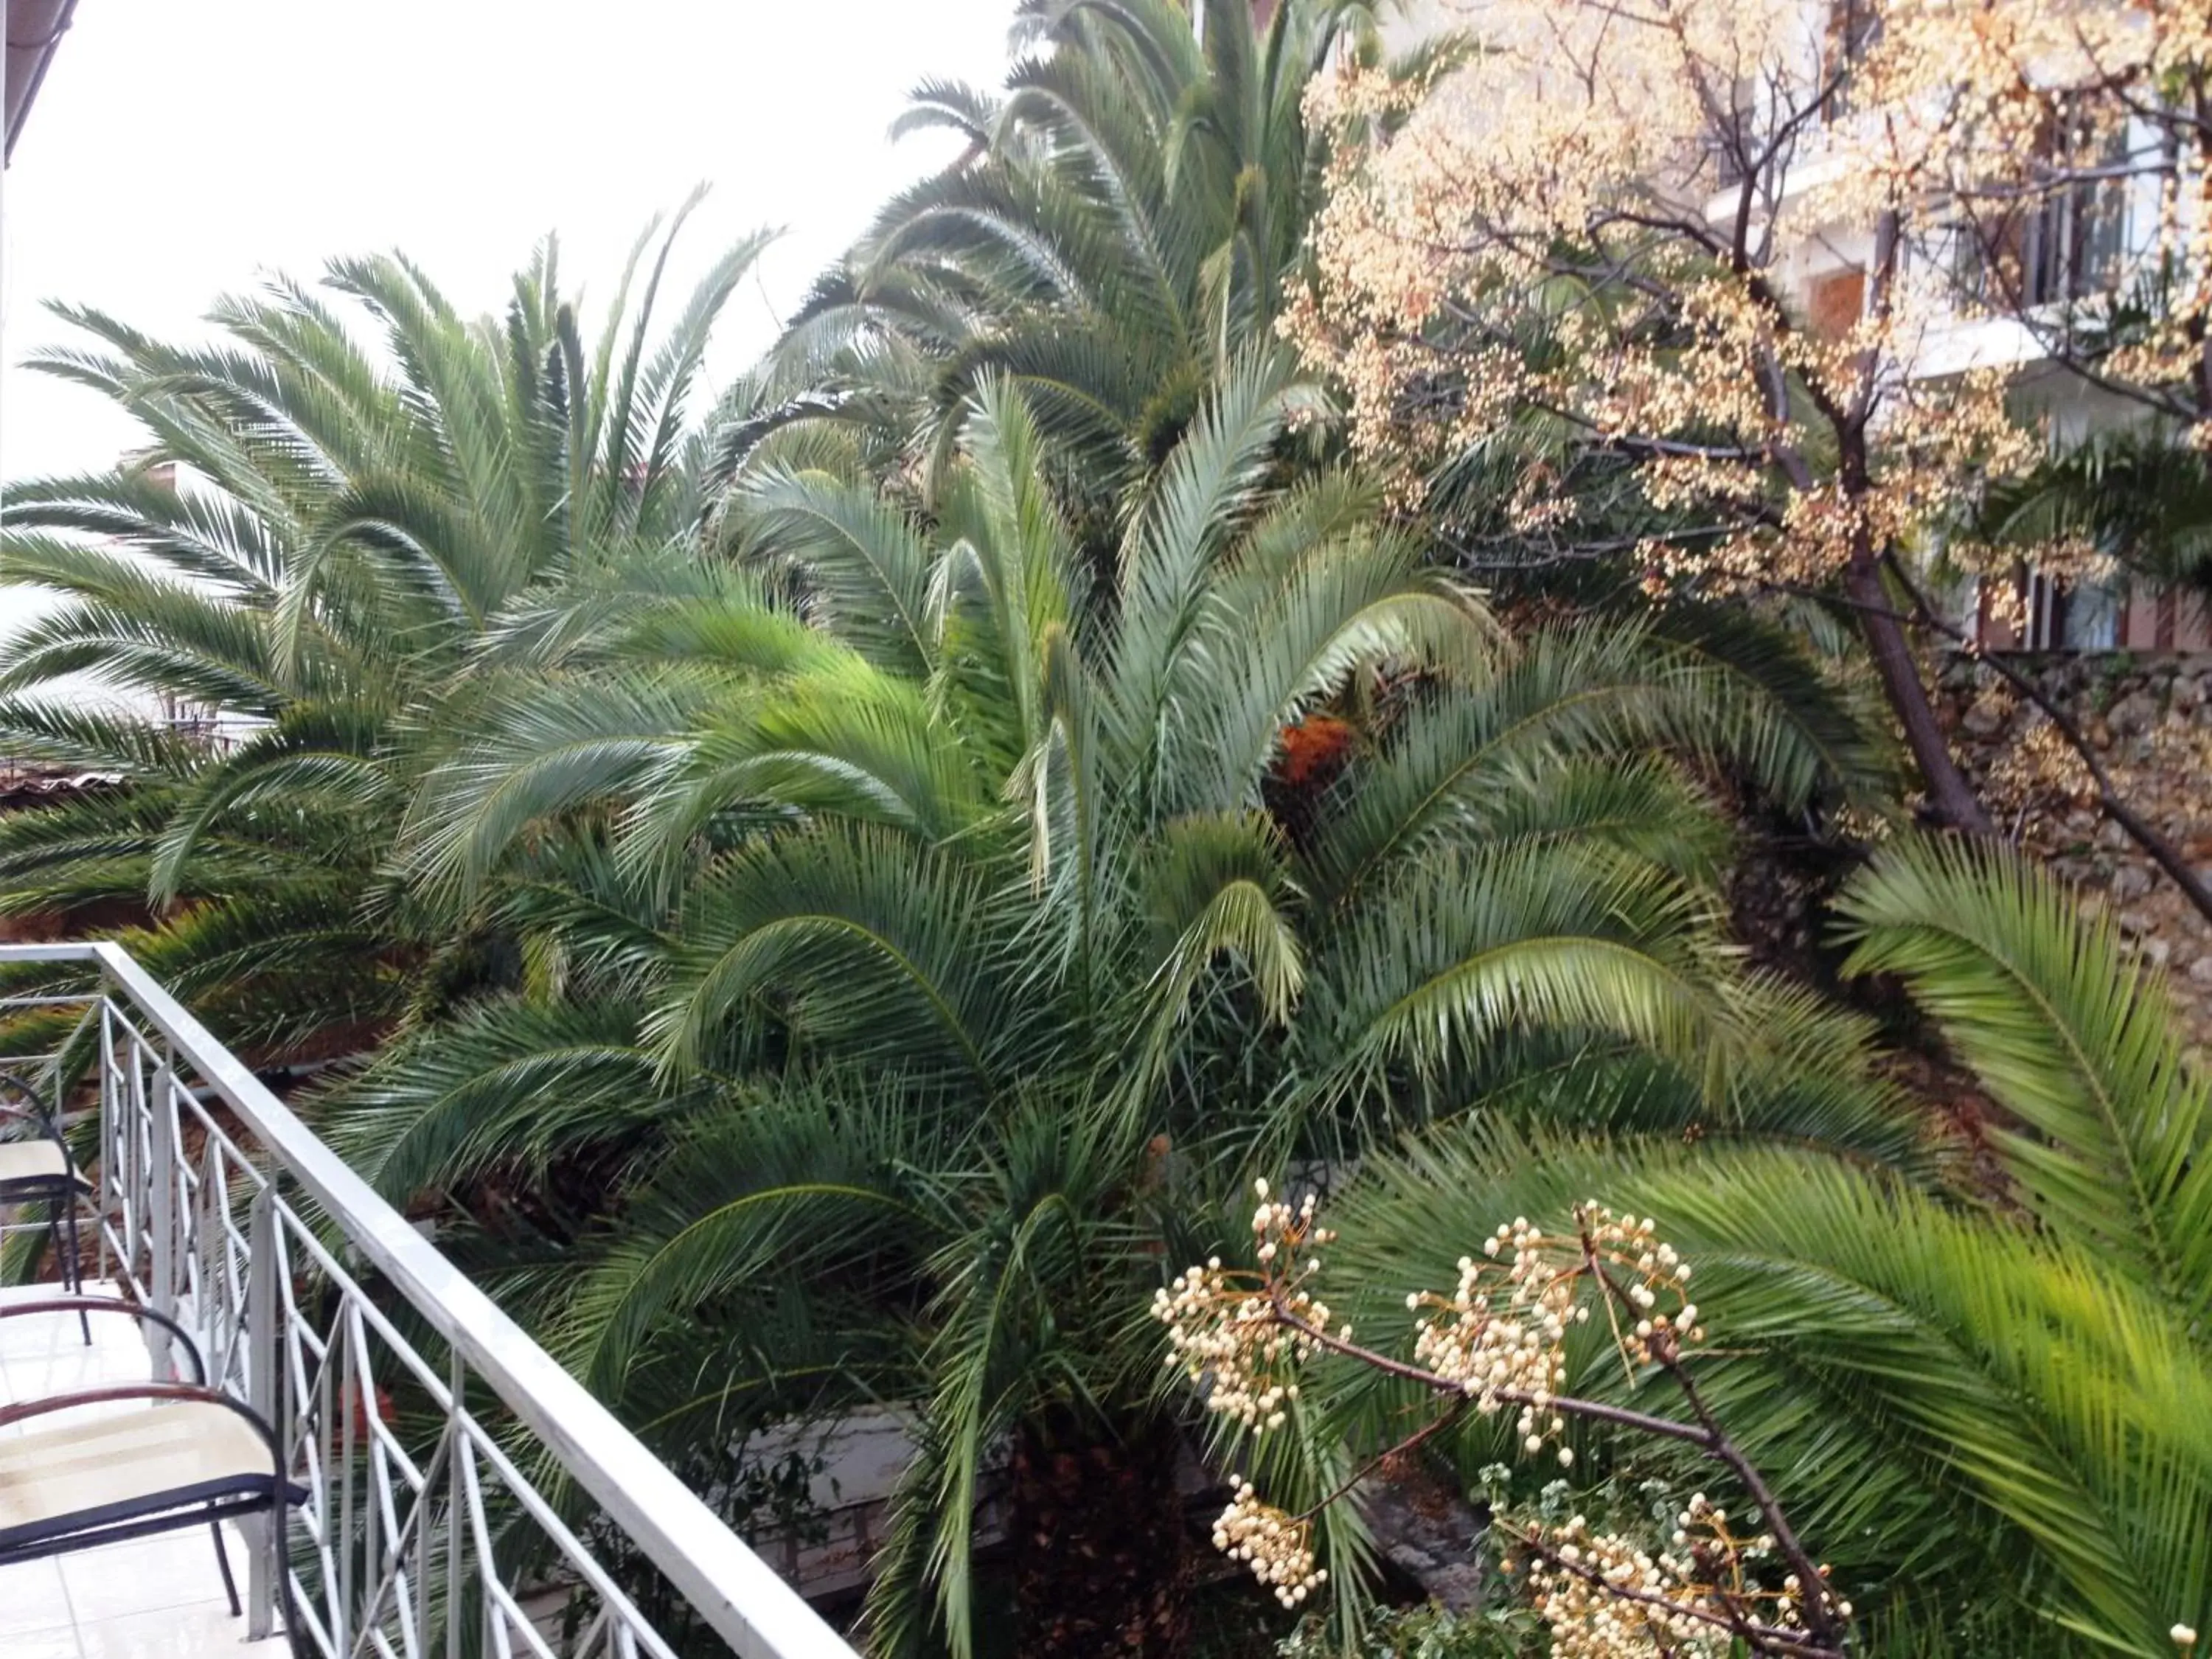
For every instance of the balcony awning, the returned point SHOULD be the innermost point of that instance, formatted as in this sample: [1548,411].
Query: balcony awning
[34,29]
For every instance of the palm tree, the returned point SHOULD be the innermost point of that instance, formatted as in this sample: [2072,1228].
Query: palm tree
[1122,226]
[1991,1416]
[310,556]
[898,969]
[2138,495]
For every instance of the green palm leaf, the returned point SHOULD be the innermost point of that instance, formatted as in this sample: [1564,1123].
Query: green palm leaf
[2077,1043]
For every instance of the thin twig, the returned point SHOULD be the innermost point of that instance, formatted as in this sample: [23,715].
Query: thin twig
[1434,1427]
[1596,1411]
[1667,1352]
[1777,1639]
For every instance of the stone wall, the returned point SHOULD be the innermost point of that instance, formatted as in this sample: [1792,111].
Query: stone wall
[2151,718]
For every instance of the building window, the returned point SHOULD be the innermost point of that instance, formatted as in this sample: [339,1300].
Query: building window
[1835,300]
[2064,242]
[2089,617]
[2049,615]
[1853,25]
[1737,141]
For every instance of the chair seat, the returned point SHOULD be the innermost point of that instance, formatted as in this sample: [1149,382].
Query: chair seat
[127,1465]
[33,1161]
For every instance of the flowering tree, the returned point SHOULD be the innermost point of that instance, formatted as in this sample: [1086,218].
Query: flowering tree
[2067,147]
[1702,265]
[2053,160]
[1498,1344]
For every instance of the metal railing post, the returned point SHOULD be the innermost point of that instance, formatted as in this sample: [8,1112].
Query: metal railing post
[128,1077]
[457,1525]
[110,1188]
[162,1286]
[263,1384]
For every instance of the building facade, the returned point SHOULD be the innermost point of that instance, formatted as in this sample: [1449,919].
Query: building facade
[2011,278]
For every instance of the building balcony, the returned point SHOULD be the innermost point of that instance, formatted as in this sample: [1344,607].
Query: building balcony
[464,1494]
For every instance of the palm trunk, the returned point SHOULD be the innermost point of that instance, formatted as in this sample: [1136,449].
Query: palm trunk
[1103,1559]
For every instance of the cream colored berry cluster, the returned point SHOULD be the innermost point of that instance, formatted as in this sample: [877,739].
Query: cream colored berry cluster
[1239,1334]
[1277,1546]
[1500,1337]
[1607,1596]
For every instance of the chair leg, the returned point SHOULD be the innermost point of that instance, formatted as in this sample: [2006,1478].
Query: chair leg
[222,1561]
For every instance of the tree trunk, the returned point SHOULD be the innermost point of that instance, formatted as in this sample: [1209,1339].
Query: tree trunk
[1102,1563]
[1951,799]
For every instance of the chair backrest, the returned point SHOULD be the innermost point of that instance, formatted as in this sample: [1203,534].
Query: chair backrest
[19,1104]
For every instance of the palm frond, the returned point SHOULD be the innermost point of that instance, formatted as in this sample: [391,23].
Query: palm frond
[2076,1043]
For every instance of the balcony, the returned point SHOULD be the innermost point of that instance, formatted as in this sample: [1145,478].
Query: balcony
[466,1495]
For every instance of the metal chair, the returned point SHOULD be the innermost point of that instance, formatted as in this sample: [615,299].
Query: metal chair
[197,1456]
[38,1168]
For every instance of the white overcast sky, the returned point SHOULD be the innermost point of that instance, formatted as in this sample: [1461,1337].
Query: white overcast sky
[180,147]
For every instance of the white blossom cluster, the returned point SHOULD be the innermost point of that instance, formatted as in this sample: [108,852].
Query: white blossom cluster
[1238,1333]
[1241,1334]
[1501,1336]
[1278,1548]
[1605,1597]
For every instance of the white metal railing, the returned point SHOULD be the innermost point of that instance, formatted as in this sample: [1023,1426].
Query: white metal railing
[407,1403]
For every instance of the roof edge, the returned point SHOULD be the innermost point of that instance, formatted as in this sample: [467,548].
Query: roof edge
[60,13]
